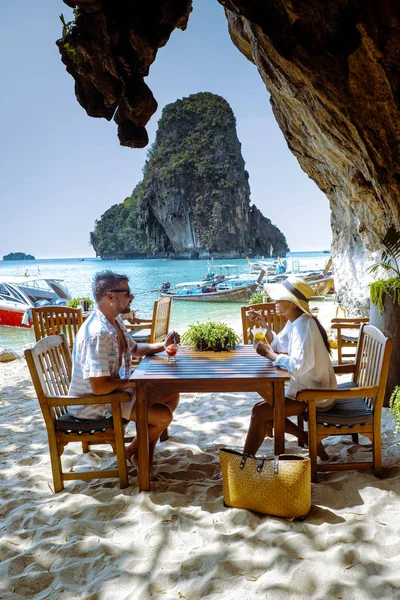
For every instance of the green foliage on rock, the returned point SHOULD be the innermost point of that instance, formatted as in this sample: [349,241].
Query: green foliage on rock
[210,336]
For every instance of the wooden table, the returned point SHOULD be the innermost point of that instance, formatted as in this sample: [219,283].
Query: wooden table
[241,370]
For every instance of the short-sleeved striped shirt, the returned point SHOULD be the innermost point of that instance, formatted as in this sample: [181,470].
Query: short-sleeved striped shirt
[96,354]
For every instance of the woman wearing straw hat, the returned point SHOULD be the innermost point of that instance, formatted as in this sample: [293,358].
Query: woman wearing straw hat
[301,348]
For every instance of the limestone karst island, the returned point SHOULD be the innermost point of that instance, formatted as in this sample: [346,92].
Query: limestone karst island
[18,256]
[194,199]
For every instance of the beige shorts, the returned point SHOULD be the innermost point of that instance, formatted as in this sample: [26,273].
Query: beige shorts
[126,407]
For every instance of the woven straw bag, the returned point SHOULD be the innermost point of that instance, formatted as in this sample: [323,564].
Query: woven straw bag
[279,486]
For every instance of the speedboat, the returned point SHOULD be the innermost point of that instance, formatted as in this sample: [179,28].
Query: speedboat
[18,295]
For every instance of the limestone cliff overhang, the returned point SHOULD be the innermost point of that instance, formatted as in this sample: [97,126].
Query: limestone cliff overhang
[108,49]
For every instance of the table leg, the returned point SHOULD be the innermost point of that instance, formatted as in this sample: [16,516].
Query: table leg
[279,417]
[143,436]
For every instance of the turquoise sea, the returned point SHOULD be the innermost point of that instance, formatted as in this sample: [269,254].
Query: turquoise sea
[145,276]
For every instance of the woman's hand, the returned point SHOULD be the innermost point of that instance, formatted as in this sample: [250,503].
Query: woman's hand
[257,318]
[264,349]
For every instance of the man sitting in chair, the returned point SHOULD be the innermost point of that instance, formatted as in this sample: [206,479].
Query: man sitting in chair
[102,361]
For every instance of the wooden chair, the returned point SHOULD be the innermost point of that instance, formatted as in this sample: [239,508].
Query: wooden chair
[358,403]
[155,329]
[347,341]
[49,364]
[275,321]
[53,320]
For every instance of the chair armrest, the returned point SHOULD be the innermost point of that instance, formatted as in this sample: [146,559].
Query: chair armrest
[101,399]
[339,326]
[325,394]
[349,321]
[138,326]
[345,368]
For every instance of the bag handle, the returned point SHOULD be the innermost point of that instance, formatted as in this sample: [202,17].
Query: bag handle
[260,464]
[243,461]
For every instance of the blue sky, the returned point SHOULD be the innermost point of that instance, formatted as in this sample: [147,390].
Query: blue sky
[61,170]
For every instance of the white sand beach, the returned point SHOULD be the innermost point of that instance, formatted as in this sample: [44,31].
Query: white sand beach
[95,541]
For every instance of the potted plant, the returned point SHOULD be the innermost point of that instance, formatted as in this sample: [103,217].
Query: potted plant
[390,262]
[385,301]
[76,302]
[210,336]
[394,406]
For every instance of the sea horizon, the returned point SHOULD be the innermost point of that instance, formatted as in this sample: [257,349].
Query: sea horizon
[98,258]
[146,277]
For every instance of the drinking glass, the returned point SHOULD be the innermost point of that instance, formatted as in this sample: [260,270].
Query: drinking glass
[258,334]
[171,351]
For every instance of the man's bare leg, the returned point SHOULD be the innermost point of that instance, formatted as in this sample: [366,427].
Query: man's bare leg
[159,417]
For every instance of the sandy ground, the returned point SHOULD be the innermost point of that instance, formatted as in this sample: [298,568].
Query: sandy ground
[95,541]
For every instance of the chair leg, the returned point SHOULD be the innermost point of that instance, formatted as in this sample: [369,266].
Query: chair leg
[85,447]
[56,466]
[312,439]
[377,453]
[164,435]
[300,425]
[339,347]
[119,446]
[122,468]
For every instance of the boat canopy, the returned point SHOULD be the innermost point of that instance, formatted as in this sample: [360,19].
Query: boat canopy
[190,284]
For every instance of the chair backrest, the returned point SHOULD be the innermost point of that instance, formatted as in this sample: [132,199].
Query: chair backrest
[372,362]
[275,321]
[50,366]
[160,320]
[344,327]
[53,320]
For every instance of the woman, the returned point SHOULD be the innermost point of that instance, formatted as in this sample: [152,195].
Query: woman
[301,348]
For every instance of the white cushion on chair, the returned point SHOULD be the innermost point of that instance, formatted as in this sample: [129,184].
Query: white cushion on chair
[140,335]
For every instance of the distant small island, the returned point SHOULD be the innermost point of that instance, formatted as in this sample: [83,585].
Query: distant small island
[18,256]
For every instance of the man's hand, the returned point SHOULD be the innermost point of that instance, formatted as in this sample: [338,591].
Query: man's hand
[172,338]
[150,349]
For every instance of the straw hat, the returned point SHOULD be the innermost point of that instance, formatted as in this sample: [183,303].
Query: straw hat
[294,290]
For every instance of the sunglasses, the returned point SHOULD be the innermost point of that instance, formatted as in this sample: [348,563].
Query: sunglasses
[126,292]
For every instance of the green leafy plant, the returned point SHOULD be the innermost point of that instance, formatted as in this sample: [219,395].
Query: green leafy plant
[75,302]
[394,407]
[390,261]
[67,35]
[257,298]
[210,336]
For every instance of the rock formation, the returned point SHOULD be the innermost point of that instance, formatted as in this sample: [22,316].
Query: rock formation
[18,256]
[194,200]
[332,70]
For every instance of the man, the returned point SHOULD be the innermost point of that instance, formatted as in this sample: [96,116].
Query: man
[102,360]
